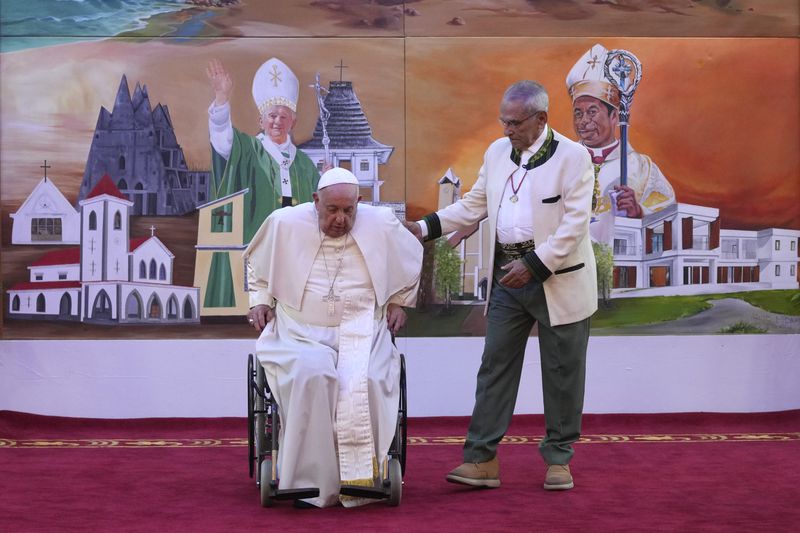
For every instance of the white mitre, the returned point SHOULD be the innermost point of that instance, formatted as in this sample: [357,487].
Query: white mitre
[588,78]
[336,176]
[275,84]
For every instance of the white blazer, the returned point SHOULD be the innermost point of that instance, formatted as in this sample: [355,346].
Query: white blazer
[561,192]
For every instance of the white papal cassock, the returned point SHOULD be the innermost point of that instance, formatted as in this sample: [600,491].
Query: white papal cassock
[335,376]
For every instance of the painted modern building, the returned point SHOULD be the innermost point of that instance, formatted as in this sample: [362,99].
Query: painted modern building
[679,250]
[684,246]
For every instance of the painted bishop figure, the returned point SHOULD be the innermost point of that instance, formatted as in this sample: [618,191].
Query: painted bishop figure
[595,115]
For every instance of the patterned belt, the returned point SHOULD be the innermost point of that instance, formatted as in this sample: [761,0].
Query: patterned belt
[509,252]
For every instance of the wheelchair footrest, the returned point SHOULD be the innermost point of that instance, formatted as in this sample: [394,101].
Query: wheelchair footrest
[363,492]
[295,494]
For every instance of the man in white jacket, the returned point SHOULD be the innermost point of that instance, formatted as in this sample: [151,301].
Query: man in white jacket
[535,186]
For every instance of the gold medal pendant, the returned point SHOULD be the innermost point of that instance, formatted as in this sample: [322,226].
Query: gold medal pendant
[515,188]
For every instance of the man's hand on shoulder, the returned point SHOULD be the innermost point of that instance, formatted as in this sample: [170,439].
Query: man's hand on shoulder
[395,317]
[414,228]
[260,315]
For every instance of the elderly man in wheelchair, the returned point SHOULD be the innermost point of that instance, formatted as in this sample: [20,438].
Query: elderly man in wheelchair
[327,281]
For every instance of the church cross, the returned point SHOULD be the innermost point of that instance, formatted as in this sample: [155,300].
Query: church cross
[341,66]
[592,62]
[152,230]
[45,167]
[92,267]
[91,244]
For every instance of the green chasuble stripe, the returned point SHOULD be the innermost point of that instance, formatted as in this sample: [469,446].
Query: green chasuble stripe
[219,288]
[217,171]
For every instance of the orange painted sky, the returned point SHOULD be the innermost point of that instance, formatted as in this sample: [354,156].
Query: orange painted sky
[51,98]
[719,116]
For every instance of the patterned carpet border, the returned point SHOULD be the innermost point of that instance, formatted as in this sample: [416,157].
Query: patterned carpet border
[149,443]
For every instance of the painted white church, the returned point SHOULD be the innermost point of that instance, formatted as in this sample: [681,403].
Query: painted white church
[46,217]
[109,278]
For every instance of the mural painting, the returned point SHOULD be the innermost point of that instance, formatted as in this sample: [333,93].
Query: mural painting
[126,128]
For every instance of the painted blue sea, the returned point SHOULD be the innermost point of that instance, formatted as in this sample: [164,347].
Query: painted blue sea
[35,23]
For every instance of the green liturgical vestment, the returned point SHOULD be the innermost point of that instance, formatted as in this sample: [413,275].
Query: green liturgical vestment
[251,167]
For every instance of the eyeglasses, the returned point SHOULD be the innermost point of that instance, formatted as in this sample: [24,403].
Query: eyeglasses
[515,123]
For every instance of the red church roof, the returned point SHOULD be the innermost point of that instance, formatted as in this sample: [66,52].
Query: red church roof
[72,255]
[106,186]
[41,285]
[137,242]
[67,256]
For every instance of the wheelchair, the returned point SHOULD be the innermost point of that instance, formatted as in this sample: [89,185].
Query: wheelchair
[262,440]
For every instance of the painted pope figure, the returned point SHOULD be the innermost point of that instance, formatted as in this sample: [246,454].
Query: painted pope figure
[327,281]
[269,165]
[595,115]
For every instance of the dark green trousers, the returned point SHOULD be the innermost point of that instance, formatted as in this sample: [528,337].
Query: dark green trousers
[512,313]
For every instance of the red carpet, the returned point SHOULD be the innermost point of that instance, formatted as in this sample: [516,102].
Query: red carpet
[686,472]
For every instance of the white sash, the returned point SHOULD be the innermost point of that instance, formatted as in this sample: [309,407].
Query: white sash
[283,162]
[358,464]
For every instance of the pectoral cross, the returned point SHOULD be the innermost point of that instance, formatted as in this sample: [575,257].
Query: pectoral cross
[331,299]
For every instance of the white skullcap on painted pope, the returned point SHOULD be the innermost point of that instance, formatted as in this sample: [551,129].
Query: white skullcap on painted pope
[587,77]
[336,176]
[275,84]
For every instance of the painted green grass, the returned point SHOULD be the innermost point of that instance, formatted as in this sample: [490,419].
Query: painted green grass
[648,310]
[784,302]
[651,310]
[621,312]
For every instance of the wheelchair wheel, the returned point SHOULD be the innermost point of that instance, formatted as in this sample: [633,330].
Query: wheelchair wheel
[403,414]
[251,458]
[260,426]
[265,475]
[395,483]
